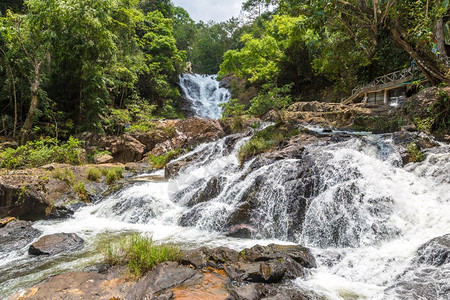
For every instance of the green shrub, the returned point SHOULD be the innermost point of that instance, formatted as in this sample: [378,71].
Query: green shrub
[415,155]
[113,174]
[94,174]
[65,175]
[265,140]
[424,124]
[160,161]
[141,254]
[271,98]
[41,152]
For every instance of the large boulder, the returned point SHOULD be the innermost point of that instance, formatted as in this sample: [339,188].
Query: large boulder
[161,279]
[24,201]
[124,148]
[188,133]
[56,243]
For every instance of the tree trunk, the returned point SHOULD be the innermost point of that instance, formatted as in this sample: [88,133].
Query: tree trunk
[440,39]
[34,89]
[428,63]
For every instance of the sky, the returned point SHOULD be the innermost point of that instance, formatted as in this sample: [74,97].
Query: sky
[216,10]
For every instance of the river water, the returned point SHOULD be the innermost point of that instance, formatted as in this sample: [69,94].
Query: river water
[352,201]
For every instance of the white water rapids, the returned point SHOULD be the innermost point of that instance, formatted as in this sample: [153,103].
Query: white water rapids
[363,214]
[204,94]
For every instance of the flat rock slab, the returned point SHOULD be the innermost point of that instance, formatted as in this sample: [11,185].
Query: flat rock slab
[56,243]
[76,285]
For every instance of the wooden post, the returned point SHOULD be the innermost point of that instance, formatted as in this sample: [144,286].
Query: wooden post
[386,97]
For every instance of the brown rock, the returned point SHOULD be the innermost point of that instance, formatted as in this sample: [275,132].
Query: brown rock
[76,285]
[56,243]
[22,201]
[103,159]
[161,279]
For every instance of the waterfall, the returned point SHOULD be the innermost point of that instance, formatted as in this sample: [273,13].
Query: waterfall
[204,94]
[350,199]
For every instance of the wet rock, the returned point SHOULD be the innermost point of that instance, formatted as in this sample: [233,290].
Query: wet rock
[22,201]
[15,235]
[241,231]
[265,264]
[421,139]
[206,257]
[300,254]
[160,279]
[404,138]
[427,276]
[56,243]
[436,252]
[211,190]
[260,291]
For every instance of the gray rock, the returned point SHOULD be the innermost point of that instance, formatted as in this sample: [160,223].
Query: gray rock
[56,243]
[15,235]
[163,277]
[264,264]
[436,252]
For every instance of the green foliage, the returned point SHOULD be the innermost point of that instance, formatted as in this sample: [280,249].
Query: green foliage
[158,162]
[65,174]
[94,174]
[92,63]
[41,152]
[271,98]
[113,174]
[415,155]
[278,56]
[141,254]
[211,41]
[265,140]
[424,124]
[440,111]
[80,189]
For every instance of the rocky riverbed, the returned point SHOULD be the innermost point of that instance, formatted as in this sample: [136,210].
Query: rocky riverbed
[207,195]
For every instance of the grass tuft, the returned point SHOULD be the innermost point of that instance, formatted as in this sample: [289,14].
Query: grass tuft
[158,162]
[141,254]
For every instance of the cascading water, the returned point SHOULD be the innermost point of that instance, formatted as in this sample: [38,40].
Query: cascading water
[204,94]
[350,199]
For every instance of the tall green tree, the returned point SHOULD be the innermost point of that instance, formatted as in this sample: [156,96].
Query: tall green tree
[408,23]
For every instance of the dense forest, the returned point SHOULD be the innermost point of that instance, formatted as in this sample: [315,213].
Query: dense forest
[69,66]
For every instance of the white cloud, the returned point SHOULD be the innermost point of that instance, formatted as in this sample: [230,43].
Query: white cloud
[216,10]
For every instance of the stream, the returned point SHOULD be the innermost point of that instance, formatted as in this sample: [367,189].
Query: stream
[363,214]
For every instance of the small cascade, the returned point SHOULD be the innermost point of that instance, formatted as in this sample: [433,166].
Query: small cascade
[204,94]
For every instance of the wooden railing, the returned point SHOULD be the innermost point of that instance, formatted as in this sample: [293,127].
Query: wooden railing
[391,77]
